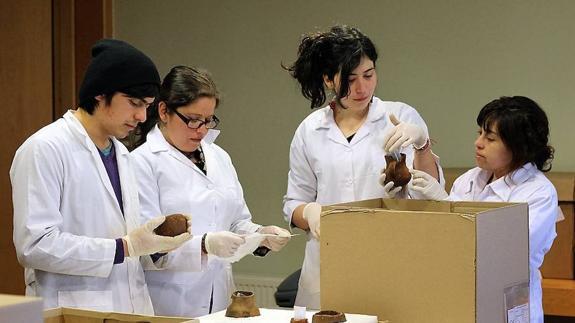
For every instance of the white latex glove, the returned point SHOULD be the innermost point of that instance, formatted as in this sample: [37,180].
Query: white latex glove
[426,187]
[223,244]
[277,242]
[143,241]
[403,135]
[312,212]
[389,190]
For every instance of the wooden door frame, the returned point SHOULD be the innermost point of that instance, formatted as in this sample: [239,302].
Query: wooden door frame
[77,25]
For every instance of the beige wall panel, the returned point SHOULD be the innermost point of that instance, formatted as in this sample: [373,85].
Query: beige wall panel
[445,58]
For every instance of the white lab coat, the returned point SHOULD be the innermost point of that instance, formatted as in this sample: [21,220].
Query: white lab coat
[66,217]
[171,183]
[527,184]
[326,168]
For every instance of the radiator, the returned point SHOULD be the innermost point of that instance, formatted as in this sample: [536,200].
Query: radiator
[263,287]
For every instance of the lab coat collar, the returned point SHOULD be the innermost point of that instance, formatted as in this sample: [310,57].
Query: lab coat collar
[327,121]
[158,143]
[78,129]
[503,186]
[121,152]
[156,140]
[376,114]
[81,133]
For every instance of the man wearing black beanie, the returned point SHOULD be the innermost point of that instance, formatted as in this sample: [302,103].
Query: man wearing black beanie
[77,226]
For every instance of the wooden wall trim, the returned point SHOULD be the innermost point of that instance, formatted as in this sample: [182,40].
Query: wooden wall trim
[26,91]
[64,57]
[77,25]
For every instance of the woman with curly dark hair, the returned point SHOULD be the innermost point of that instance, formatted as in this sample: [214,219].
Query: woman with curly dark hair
[336,154]
[512,153]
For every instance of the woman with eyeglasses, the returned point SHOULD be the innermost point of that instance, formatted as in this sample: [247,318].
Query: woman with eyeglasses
[336,154]
[181,170]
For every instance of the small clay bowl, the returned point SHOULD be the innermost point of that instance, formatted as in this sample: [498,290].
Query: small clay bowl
[328,317]
[174,225]
[298,320]
[243,305]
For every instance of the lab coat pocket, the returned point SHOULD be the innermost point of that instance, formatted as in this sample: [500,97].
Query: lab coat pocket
[94,300]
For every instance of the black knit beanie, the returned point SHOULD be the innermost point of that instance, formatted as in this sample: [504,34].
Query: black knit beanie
[116,65]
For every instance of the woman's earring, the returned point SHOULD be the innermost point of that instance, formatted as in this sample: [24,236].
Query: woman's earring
[333,103]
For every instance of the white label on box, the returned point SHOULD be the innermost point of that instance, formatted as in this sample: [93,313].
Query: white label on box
[517,302]
[518,314]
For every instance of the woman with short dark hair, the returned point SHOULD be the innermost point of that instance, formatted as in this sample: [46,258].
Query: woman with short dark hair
[511,152]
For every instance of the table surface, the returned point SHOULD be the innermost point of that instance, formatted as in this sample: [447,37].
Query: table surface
[278,315]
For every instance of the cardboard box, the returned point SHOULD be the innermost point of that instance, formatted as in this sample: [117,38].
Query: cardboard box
[425,261]
[559,261]
[73,315]
[20,309]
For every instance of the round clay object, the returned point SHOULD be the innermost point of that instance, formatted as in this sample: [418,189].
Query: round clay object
[243,305]
[396,171]
[298,320]
[328,317]
[175,224]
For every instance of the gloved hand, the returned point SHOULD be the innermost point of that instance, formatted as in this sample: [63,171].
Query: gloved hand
[312,212]
[223,244]
[277,242]
[143,241]
[426,187]
[403,135]
[389,190]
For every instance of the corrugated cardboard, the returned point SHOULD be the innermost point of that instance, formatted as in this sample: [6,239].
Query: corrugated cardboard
[20,309]
[73,315]
[423,261]
[559,261]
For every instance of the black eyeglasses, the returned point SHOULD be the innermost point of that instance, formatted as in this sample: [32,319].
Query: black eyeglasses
[210,123]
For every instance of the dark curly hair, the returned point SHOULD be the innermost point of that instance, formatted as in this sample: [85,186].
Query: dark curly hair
[523,127]
[326,53]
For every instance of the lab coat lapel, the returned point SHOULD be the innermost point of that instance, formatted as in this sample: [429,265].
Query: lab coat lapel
[367,129]
[80,133]
[327,123]
[128,186]
[209,155]
[361,133]
[478,184]
[159,143]
[504,185]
